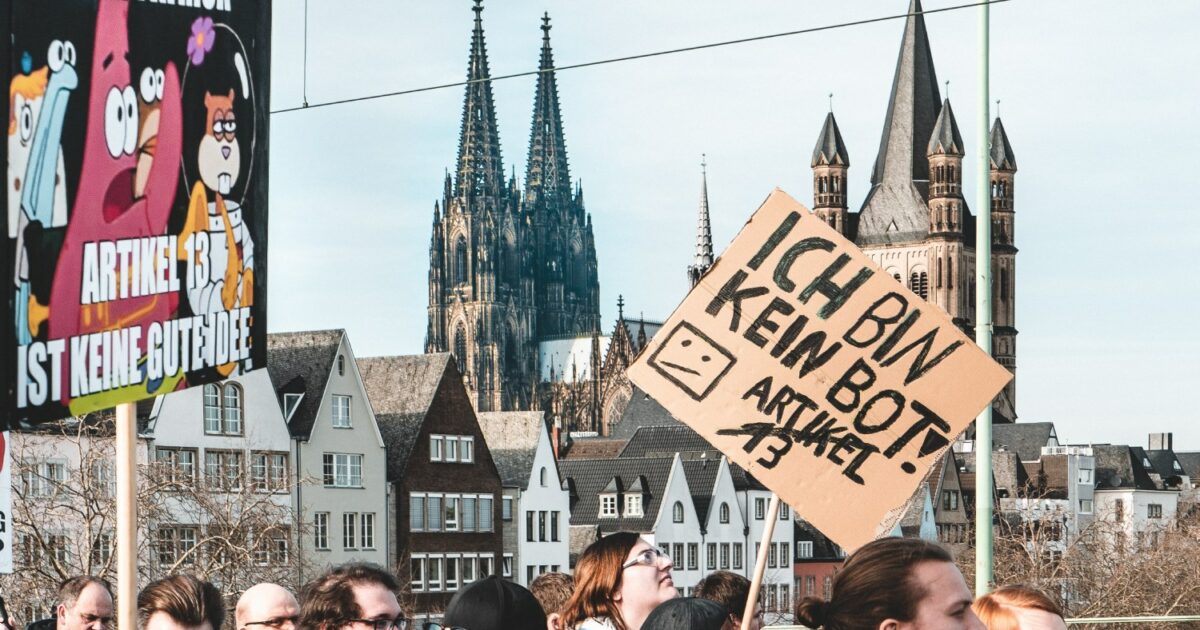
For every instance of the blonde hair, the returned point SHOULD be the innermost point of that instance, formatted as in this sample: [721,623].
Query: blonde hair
[31,86]
[997,610]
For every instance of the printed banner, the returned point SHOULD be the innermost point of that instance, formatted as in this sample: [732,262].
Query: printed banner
[137,199]
[810,367]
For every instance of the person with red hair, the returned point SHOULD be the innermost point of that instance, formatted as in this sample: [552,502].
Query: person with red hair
[619,580]
[1019,608]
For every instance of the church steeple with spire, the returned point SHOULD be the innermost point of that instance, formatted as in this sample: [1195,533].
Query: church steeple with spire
[704,247]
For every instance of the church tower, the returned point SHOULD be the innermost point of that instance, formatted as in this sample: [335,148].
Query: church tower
[946,211]
[704,248]
[566,283]
[830,161]
[1004,258]
[481,281]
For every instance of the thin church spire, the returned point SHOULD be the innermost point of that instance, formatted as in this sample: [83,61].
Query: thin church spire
[480,171]
[547,176]
[704,248]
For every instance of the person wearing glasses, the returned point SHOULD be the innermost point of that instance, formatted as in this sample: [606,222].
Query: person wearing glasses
[353,596]
[266,606]
[731,591]
[619,580]
[84,603]
[180,602]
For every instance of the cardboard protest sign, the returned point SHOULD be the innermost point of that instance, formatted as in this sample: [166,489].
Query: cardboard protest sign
[136,199]
[809,366]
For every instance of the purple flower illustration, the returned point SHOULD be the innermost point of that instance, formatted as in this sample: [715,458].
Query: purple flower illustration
[201,40]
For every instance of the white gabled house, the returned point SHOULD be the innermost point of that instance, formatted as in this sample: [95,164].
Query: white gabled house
[535,506]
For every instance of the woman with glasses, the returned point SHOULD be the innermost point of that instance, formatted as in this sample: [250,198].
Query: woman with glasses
[619,580]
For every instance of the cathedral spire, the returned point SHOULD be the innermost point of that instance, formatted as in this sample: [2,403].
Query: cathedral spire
[912,108]
[704,249]
[547,176]
[480,171]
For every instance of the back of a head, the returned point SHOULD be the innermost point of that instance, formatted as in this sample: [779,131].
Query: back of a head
[71,588]
[687,613]
[597,577]
[727,589]
[495,604]
[328,600]
[187,600]
[998,609]
[552,591]
[875,584]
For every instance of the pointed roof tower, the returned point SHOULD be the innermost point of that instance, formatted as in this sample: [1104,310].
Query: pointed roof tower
[547,175]
[945,137]
[830,149]
[1002,155]
[704,249]
[894,211]
[480,171]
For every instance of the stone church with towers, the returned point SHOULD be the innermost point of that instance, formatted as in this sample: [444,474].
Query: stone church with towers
[509,266]
[915,222]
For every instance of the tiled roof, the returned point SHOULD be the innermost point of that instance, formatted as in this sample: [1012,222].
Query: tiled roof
[1166,463]
[512,438]
[666,440]
[300,362]
[830,149]
[824,550]
[945,138]
[594,448]
[702,480]
[1001,153]
[642,411]
[1115,468]
[1026,438]
[587,478]
[1190,462]
[400,390]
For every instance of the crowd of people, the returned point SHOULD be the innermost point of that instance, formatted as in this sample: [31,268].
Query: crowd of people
[621,582]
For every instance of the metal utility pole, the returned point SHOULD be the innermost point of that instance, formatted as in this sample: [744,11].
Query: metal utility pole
[983,323]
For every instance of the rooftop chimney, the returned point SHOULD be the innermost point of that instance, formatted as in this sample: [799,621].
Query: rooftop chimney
[1162,441]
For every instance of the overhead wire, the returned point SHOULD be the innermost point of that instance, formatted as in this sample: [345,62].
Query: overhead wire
[587,64]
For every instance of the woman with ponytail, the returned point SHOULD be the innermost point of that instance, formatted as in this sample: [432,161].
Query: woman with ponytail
[894,584]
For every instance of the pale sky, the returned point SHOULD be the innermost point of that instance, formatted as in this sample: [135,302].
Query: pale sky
[1099,100]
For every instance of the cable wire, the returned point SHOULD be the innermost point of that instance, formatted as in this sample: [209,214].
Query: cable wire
[660,53]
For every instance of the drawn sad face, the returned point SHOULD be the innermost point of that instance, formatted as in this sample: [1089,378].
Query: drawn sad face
[691,360]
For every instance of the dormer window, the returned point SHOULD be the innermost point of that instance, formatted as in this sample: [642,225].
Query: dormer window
[290,402]
[633,505]
[608,505]
[1146,463]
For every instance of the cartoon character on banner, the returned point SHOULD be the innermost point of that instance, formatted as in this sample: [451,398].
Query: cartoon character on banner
[37,195]
[216,240]
[128,176]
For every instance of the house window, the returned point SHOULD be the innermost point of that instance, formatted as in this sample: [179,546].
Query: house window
[469,513]
[416,572]
[506,565]
[772,558]
[633,505]
[486,565]
[466,449]
[268,471]
[542,526]
[724,555]
[416,512]
[711,561]
[349,530]
[452,509]
[785,512]
[101,551]
[44,478]
[342,470]
[693,551]
[368,530]
[506,508]
[433,574]
[451,453]
[950,500]
[677,512]
[434,503]
[529,526]
[804,549]
[231,409]
[468,567]
[435,448]
[223,469]
[290,402]
[485,513]
[608,506]
[1085,506]
[783,554]
[341,365]
[451,574]
[174,545]
[321,530]
[341,411]
[542,476]
[678,555]
[1085,475]
[760,508]
[176,465]
[724,512]
[785,601]
[554,526]
[212,408]
[1154,510]
[737,555]
[810,585]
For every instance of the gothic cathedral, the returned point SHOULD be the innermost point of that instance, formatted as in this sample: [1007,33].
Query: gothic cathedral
[509,267]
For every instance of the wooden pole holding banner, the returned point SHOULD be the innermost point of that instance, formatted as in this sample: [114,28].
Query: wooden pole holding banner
[760,563]
[126,603]
[983,325]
